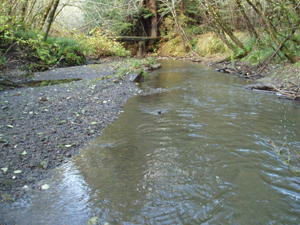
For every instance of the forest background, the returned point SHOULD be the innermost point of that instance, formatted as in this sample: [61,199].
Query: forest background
[42,34]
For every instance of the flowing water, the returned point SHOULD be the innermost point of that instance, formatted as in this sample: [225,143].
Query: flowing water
[193,149]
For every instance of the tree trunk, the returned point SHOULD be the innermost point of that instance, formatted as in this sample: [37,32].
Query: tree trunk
[46,13]
[248,22]
[223,26]
[50,19]
[222,36]
[182,6]
[28,17]
[154,18]
[23,12]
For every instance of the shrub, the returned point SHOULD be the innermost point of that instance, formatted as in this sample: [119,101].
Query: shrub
[100,45]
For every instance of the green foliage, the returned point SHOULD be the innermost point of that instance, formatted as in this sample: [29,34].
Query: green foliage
[3,61]
[295,44]
[30,44]
[260,52]
[25,34]
[173,47]
[209,44]
[167,26]
[120,17]
[99,45]
[135,65]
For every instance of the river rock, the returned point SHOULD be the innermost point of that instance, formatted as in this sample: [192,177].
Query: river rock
[136,76]
[152,67]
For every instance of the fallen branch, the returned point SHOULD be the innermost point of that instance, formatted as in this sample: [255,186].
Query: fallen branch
[286,157]
[56,64]
[294,96]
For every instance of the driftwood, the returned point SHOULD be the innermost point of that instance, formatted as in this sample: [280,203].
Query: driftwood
[226,70]
[292,95]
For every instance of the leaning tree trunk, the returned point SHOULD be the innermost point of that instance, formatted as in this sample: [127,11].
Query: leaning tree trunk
[211,9]
[270,29]
[46,13]
[50,19]
[29,17]
[248,22]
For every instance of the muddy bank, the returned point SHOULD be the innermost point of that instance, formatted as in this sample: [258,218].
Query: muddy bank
[42,127]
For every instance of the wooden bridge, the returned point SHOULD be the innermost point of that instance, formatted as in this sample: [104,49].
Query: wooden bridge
[136,38]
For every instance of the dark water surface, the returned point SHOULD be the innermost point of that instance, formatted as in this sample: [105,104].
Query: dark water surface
[205,159]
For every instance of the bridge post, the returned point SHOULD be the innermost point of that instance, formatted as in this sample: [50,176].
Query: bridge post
[141,50]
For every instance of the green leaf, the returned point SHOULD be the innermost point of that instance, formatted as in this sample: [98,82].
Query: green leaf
[4,169]
[24,153]
[93,123]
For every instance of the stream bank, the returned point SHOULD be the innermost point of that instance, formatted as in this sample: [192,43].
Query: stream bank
[280,79]
[42,127]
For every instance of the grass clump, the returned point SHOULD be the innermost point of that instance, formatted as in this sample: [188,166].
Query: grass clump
[210,44]
[172,47]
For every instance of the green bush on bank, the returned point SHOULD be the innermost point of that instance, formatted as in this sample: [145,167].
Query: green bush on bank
[97,44]
[41,55]
[56,51]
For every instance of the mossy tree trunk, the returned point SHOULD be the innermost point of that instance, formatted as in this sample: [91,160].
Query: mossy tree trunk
[214,12]
[24,9]
[50,19]
[154,18]
[252,30]
[45,14]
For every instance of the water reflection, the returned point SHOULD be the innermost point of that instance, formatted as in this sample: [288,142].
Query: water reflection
[205,158]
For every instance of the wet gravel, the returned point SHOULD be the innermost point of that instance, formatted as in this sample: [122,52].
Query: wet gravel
[42,127]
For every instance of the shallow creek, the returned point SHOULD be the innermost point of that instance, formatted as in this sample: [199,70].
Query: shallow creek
[192,149]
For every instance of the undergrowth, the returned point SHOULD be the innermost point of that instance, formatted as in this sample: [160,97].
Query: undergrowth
[97,44]
[40,55]
[28,45]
